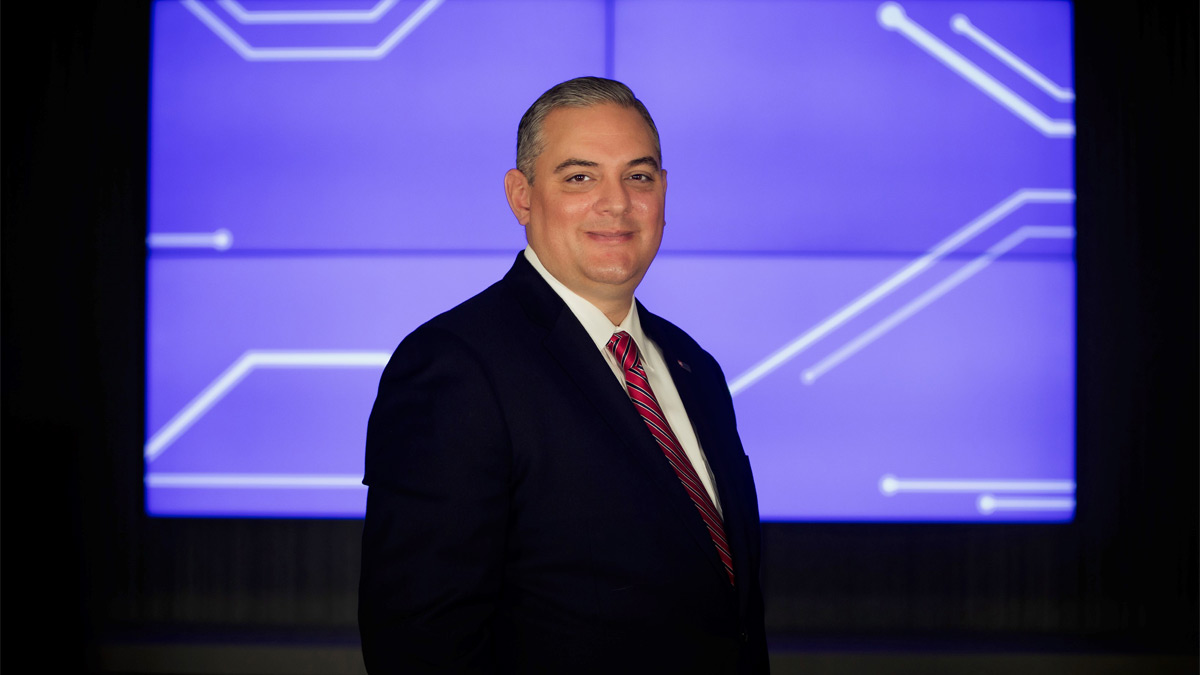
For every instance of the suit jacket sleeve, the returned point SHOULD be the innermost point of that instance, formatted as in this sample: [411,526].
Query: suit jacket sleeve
[437,469]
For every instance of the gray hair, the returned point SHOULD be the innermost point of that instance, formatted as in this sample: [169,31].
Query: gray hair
[581,92]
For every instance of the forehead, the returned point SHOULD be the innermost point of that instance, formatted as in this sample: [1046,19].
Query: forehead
[604,130]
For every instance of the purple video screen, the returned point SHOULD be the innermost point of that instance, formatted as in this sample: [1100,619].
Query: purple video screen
[870,226]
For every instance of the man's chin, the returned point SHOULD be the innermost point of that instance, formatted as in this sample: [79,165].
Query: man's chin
[616,276]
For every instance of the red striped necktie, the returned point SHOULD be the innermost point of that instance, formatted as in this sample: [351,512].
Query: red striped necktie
[625,349]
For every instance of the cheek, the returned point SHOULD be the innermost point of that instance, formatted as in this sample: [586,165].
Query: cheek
[564,210]
[650,207]
[576,209]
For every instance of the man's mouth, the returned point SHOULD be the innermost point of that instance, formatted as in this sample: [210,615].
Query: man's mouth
[610,236]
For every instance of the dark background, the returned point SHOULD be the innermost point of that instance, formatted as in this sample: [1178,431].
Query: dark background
[83,568]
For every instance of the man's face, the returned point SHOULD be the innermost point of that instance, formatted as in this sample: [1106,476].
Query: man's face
[595,213]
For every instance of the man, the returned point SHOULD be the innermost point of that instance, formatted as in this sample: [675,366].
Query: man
[556,481]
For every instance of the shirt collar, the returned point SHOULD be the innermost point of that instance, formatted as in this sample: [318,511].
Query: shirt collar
[597,325]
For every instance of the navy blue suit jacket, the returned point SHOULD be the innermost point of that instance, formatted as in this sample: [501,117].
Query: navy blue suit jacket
[520,517]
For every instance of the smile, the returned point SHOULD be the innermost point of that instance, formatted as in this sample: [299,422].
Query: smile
[610,237]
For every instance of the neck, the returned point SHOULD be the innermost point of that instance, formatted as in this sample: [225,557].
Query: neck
[616,310]
[612,300]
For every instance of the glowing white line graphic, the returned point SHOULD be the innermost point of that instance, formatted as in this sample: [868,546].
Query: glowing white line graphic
[925,299]
[963,26]
[220,240]
[231,38]
[246,363]
[889,485]
[895,281]
[244,15]
[988,504]
[253,480]
[892,17]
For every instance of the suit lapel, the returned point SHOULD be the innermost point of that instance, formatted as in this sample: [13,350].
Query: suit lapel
[568,343]
[723,454]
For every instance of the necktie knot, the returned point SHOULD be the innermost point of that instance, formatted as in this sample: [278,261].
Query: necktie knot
[623,347]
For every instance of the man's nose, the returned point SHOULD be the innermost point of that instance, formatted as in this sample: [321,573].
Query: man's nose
[613,198]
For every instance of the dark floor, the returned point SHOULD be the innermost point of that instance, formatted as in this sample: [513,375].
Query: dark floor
[285,653]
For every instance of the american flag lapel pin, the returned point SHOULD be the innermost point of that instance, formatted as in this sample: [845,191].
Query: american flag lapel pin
[683,365]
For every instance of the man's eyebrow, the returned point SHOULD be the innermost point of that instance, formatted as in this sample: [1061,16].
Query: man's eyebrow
[644,160]
[575,162]
[647,160]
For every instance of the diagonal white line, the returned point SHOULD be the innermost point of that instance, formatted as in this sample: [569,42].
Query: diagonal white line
[895,281]
[892,17]
[319,16]
[247,362]
[928,297]
[410,24]
[963,26]
[217,26]
[231,38]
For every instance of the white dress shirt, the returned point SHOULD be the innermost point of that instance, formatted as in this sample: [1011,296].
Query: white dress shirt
[600,329]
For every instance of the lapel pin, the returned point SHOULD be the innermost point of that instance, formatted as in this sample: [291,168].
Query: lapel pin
[683,365]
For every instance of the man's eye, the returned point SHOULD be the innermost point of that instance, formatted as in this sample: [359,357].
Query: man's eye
[642,177]
[577,178]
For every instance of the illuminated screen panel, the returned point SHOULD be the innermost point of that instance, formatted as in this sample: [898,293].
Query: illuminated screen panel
[870,224]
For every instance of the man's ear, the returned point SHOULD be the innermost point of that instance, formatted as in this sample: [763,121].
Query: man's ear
[517,189]
[663,178]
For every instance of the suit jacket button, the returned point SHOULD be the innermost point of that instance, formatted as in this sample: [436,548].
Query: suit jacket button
[744,638]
